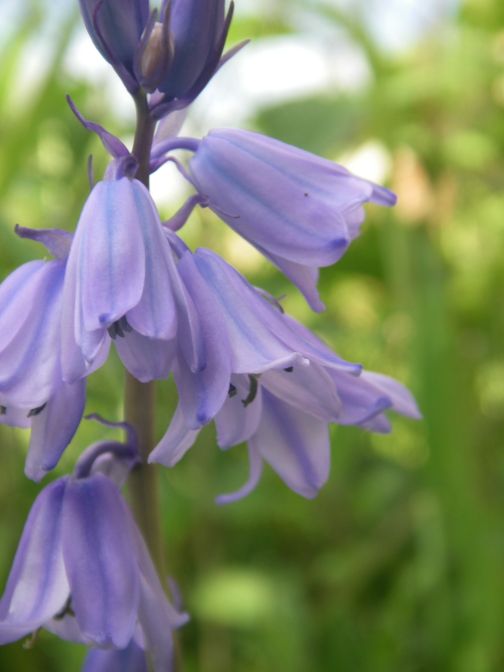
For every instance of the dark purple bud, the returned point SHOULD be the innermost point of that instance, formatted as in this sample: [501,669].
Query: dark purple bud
[199,30]
[116,28]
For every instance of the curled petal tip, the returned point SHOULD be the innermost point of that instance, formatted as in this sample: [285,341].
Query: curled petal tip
[383,196]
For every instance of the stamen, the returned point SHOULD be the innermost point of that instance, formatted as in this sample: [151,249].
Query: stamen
[274,300]
[36,411]
[66,611]
[127,328]
[254,386]
[32,640]
[289,369]
[232,391]
[119,329]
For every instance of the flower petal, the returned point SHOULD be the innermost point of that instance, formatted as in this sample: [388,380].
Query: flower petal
[130,659]
[189,328]
[304,277]
[54,427]
[107,256]
[145,358]
[154,315]
[66,627]
[236,422]
[116,26]
[402,400]
[364,399]
[202,393]
[81,352]
[308,388]
[250,324]
[256,465]
[23,286]
[156,615]
[176,441]
[29,361]
[15,417]
[100,566]
[313,348]
[295,444]
[196,26]
[260,336]
[37,587]
[56,241]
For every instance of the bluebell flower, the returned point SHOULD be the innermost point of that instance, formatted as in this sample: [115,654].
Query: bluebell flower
[240,332]
[82,570]
[121,285]
[32,391]
[284,416]
[269,381]
[288,429]
[301,211]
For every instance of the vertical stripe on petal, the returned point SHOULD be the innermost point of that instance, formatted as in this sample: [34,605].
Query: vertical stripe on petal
[37,587]
[101,568]
[295,444]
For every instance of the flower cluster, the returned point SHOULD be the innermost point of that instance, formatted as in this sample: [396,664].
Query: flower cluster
[127,279]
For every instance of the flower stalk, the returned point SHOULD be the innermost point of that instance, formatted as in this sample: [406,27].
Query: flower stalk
[139,402]
[139,398]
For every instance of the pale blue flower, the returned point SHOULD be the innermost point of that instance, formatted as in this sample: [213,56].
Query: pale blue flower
[82,570]
[32,391]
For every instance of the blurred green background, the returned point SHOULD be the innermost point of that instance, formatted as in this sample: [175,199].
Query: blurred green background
[398,565]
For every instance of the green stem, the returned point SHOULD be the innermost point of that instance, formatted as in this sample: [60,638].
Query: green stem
[139,401]
[139,397]
[143,482]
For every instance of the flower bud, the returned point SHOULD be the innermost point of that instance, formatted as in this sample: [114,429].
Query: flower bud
[156,56]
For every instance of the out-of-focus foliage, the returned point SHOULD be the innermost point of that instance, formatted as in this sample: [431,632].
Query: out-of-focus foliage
[397,565]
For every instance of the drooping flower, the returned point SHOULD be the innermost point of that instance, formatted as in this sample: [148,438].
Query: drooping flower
[284,417]
[82,570]
[269,382]
[290,428]
[32,392]
[241,332]
[301,211]
[121,284]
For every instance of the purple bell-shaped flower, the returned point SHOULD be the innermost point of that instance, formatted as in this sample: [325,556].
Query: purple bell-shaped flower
[121,284]
[32,392]
[82,570]
[240,332]
[269,382]
[301,211]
